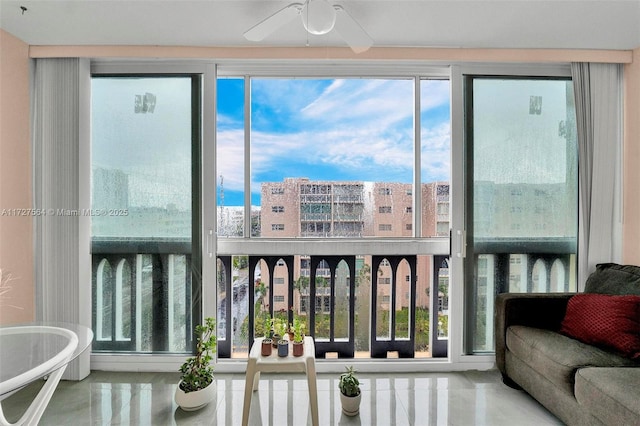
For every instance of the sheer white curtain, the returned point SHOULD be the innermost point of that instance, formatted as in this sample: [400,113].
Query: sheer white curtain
[598,96]
[60,138]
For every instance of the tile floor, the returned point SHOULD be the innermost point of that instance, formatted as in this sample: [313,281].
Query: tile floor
[465,398]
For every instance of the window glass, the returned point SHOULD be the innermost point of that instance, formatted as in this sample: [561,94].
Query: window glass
[327,155]
[141,157]
[330,156]
[141,211]
[435,135]
[230,122]
[523,229]
[333,158]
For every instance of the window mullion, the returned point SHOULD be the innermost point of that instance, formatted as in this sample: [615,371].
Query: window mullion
[417,162]
[247,157]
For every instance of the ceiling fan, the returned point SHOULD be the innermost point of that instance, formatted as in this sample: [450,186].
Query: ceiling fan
[318,17]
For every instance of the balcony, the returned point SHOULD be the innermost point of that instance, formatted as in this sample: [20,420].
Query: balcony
[348,199]
[142,296]
[314,217]
[515,265]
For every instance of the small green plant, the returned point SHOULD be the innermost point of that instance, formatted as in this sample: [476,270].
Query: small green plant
[348,383]
[298,330]
[197,373]
[279,326]
[272,326]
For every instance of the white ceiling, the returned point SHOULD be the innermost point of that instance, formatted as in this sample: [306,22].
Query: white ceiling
[579,24]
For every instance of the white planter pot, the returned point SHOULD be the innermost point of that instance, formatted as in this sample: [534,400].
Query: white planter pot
[350,404]
[195,400]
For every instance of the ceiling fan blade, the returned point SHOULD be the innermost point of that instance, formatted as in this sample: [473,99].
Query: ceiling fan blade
[352,33]
[264,28]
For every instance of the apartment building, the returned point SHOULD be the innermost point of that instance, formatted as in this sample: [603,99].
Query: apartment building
[302,208]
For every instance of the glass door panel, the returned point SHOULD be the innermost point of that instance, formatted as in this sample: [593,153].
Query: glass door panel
[143,145]
[522,193]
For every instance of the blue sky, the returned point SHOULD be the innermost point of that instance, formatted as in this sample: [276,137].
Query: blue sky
[330,129]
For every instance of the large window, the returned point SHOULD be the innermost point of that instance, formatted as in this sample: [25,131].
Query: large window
[321,152]
[522,194]
[331,159]
[330,200]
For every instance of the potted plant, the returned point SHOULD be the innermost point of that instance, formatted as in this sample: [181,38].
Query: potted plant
[279,330]
[196,388]
[291,332]
[283,347]
[298,337]
[349,392]
[267,341]
[275,337]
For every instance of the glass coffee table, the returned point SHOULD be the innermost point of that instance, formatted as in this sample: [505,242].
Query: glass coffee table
[34,351]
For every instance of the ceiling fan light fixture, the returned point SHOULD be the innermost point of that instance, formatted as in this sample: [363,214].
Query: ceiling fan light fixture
[318,17]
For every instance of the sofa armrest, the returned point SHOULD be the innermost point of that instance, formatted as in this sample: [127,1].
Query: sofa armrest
[540,310]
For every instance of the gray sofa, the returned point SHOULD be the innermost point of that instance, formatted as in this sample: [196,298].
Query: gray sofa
[581,384]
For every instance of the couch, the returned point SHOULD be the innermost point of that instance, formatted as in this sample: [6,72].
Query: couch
[577,354]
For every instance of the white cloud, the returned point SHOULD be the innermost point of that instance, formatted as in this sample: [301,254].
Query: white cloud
[364,127]
[227,121]
[349,101]
[230,158]
[436,153]
[434,94]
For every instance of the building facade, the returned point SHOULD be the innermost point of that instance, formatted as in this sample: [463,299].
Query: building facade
[301,208]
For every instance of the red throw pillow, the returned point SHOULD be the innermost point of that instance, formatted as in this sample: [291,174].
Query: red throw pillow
[605,320]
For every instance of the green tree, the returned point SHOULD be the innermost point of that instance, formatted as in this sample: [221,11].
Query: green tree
[301,284]
[240,262]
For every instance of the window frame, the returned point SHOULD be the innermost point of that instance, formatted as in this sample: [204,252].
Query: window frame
[204,235]
[457,304]
[516,223]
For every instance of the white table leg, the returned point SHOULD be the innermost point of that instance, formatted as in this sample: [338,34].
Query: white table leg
[256,381]
[313,390]
[248,389]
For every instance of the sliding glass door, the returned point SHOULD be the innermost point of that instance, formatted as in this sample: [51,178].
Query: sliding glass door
[521,194]
[144,216]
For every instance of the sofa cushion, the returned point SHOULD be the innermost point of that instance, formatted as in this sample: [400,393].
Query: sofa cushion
[609,321]
[611,278]
[556,356]
[610,394]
